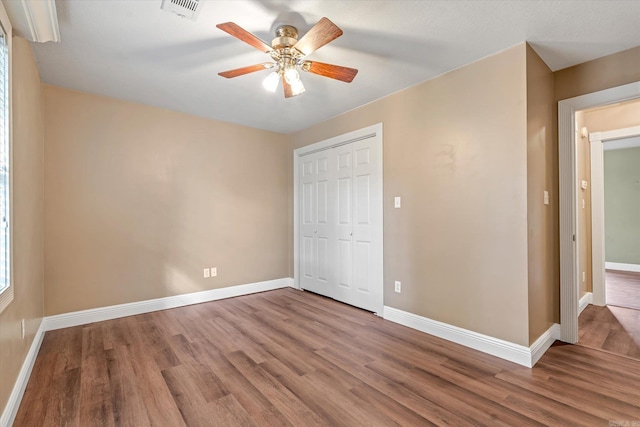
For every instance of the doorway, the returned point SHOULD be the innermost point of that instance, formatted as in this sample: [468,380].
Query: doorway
[338,245]
[622,148]
[612,322]
[569,237]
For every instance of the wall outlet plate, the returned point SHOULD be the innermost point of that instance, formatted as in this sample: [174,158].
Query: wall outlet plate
[206,272]
[398,286]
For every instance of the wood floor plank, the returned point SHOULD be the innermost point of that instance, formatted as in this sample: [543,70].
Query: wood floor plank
[290,358]
[95,404]
[127,403]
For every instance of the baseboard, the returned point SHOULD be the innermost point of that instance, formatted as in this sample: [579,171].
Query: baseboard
[544,341]
[83,317]
[622,267]
[13,404]
[585,301]
[526,356]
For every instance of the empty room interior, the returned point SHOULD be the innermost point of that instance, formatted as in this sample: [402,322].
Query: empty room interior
[296,213]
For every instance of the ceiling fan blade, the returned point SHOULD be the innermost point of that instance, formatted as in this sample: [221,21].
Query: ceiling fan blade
[246,70]
[337,72]
[321,33]
[288,92]
[240,33]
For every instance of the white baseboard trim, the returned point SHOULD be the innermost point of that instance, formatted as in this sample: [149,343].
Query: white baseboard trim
[544,341]
[585,301]
[526,356]
[13,404]
[622,267]
[83,317]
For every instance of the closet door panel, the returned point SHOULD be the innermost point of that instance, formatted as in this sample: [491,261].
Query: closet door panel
[316,223]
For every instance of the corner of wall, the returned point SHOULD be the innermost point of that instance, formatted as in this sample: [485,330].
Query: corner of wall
[542,197]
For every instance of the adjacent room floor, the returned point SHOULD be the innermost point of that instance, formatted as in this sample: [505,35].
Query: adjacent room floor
[287,357]
[615,327]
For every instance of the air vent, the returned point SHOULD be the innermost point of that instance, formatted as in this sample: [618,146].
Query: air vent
[185,8]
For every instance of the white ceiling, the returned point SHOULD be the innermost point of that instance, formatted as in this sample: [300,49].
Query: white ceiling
[134,51]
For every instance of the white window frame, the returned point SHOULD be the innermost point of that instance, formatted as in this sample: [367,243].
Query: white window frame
[6,295]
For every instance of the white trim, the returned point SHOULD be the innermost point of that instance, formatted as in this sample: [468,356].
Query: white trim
[83,317]
[543,343]
[622,266]
[357,135]
[7,295]
[597,220]
[36,21]
[11,409]
[568,197]
[586,299]
[526,356]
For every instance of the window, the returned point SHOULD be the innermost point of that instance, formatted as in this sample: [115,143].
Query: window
[6,290]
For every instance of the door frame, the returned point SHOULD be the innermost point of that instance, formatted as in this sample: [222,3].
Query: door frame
[373,131]
[568,196]
[597,206]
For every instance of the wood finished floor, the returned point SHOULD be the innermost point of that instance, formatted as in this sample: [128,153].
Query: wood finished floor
[616,327]
[623,288]
[292,358]
[610,328]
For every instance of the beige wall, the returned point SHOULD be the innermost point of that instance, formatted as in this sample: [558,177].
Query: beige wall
[583,155]
[612,117]
[602,73]
[455,150]
[139,200]
[543,244]
[28,218]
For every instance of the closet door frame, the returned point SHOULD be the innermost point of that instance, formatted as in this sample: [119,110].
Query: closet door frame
[375,132]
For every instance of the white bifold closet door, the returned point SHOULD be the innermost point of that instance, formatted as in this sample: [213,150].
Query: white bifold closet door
[341,223]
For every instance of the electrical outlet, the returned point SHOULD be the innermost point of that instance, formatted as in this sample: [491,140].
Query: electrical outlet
[398,288]
[22,328]
[214,271]
[206,273]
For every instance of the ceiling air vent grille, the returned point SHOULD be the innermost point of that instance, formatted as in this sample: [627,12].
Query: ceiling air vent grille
[185,8]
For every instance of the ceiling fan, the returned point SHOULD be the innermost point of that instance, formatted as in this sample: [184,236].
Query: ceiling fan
[288,54]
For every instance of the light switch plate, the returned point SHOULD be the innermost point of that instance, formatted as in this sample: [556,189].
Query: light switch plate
[546,197]
[214,271]
[206,272]
[397,202]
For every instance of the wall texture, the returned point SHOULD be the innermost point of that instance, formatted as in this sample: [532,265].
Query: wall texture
[28,218]
[139,200]
[455,150]
[602,73]
[542,234]
[622,205]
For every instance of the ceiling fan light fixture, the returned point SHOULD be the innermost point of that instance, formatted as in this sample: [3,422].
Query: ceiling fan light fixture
[297,87]
[291,75]
[287,53]
[270,83]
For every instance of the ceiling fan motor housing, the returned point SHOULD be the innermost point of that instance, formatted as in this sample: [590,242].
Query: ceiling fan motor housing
[286,36]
